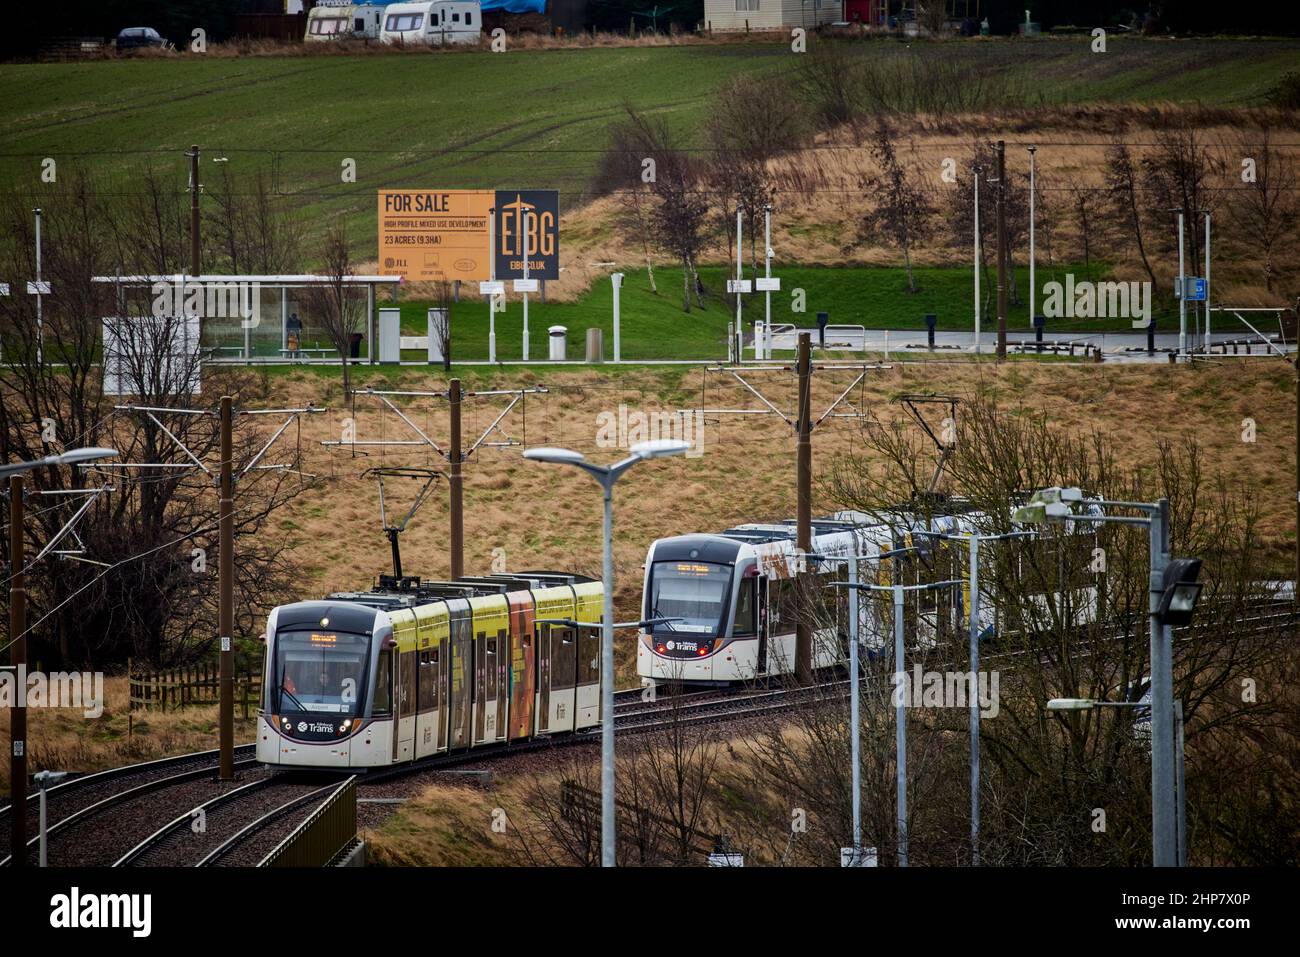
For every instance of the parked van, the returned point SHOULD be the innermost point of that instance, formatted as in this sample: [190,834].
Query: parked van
[345,21]
[432,24]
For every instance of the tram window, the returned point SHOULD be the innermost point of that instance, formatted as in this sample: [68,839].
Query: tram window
[406,702]
[428,680]
[563,658]
[384,683]
[785,604]
[589,656]
[743,622]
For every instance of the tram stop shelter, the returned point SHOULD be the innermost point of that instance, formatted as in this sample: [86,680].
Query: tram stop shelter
[256,318]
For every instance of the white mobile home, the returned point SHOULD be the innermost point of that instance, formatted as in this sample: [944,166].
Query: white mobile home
[432,24]
[344,21]
[727,16]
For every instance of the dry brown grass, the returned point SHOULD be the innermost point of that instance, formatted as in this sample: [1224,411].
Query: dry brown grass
[548,517]
[63,739]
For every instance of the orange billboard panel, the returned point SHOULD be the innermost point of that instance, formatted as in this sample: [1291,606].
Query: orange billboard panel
[434,234]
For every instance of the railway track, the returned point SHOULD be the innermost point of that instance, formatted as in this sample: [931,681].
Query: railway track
[243,821]
[79,794]
[215,830]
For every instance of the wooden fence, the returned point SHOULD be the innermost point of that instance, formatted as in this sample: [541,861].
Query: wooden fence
[173,688]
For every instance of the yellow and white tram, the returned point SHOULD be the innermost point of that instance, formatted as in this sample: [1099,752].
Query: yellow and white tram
[412,669]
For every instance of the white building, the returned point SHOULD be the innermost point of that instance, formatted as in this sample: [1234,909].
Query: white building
[729,15]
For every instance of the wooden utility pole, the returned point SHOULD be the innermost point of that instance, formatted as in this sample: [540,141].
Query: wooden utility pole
[1002,249]
[803,537]
[226,590]
[455,484]
[18,658]
[196,266]
[1295,594]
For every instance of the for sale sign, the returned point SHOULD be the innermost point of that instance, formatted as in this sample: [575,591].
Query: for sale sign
[434,234]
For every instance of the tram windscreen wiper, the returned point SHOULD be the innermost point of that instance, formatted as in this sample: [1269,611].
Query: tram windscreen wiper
[285,691]
[656,613]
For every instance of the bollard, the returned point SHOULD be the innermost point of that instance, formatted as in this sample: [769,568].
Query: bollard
[1151,337]
[931,320]
[822,319]
[1039,323]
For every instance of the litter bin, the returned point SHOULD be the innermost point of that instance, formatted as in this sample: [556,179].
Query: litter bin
[558,338]
[595,345]
[354,346]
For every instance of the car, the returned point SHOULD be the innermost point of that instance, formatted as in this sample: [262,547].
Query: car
[135,37]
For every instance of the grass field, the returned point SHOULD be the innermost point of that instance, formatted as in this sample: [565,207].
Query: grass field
[655,327]
[530,118]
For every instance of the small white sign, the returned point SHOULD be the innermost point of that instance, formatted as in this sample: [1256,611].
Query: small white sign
[18,749]
[858,857]
[491,287]
[740,285]
[225,642]
[38,288]
[525,285]
[764,284]
[4,288]
[726,860]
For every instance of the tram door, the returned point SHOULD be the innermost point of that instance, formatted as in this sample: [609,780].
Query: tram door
[404,740]
[444,695]
[761,598]
[544,633]
[499,661]
[461,674]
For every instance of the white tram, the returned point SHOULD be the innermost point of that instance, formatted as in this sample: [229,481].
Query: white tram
[734,594]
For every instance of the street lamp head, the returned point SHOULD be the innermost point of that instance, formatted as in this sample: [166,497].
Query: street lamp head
[658,448]
[1182,590]
[560,456]
[1071,704]
[1047,504]
[76,456]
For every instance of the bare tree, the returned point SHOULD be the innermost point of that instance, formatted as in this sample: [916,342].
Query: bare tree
[338,305]
[1126,208]
[137,589]
[1264,208]
[902,211]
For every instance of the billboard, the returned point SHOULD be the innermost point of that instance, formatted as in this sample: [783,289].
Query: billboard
[434,234]
[531,217]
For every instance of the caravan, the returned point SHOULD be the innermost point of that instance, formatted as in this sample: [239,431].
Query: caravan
[342,21]
[432,24]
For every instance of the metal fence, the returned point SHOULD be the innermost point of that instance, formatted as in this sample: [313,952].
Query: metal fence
[317,841]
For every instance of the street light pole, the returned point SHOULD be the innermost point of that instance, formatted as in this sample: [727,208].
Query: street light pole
[1162,697]
[900,686]
[1164,840]
[1032,314]
[607,476]
[973,634]
[17,658]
